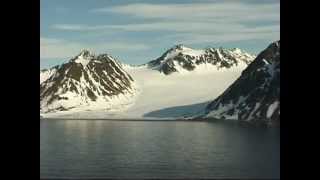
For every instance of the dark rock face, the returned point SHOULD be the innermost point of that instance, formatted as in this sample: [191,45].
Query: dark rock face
[181,57]
[83,80]
[255,96]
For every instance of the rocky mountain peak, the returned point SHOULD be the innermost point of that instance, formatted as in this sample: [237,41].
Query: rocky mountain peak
[255,96]
[86,81]
[180,47]
[85,53]
[183,59]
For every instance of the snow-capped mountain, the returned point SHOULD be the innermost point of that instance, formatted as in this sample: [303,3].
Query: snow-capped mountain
[255,95]
[183,59]
[46,73]
[86,82]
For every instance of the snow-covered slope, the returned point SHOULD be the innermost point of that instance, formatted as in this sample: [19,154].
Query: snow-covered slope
[255,96]
[160,91]
[162,96]
[182,59]
[46,73]
[166,97]
[87,82]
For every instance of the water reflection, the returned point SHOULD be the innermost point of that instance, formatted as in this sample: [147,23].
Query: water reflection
[144,149]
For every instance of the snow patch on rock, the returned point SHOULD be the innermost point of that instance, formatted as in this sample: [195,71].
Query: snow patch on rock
[272,108]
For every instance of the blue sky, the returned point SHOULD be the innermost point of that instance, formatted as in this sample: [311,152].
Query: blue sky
[137,31]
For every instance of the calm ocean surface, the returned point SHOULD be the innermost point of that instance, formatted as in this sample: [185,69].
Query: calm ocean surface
[159,149]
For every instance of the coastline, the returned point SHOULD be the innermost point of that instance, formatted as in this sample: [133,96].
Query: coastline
[110,119]
[207,120]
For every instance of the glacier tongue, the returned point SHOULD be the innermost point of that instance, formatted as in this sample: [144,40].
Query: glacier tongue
[164,97]
[102,87]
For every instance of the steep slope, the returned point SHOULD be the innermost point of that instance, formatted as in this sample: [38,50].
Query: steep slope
[255,96]
[166,97]
[46,73]
[183,59]
[177,92]
[87,82]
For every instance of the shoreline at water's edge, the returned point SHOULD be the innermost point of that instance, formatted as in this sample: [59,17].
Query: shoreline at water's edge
[106,119]
[242,123]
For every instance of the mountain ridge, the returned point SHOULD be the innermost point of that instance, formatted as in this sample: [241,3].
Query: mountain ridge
[181,58]
[222,66]
[255,95]
[84,80]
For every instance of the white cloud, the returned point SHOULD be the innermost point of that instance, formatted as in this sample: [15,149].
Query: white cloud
[189,38]
[156,26]
[222,11]
[223,20]
[194,23]
[77,27]
[201,27]
[217,32]
[57,48]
